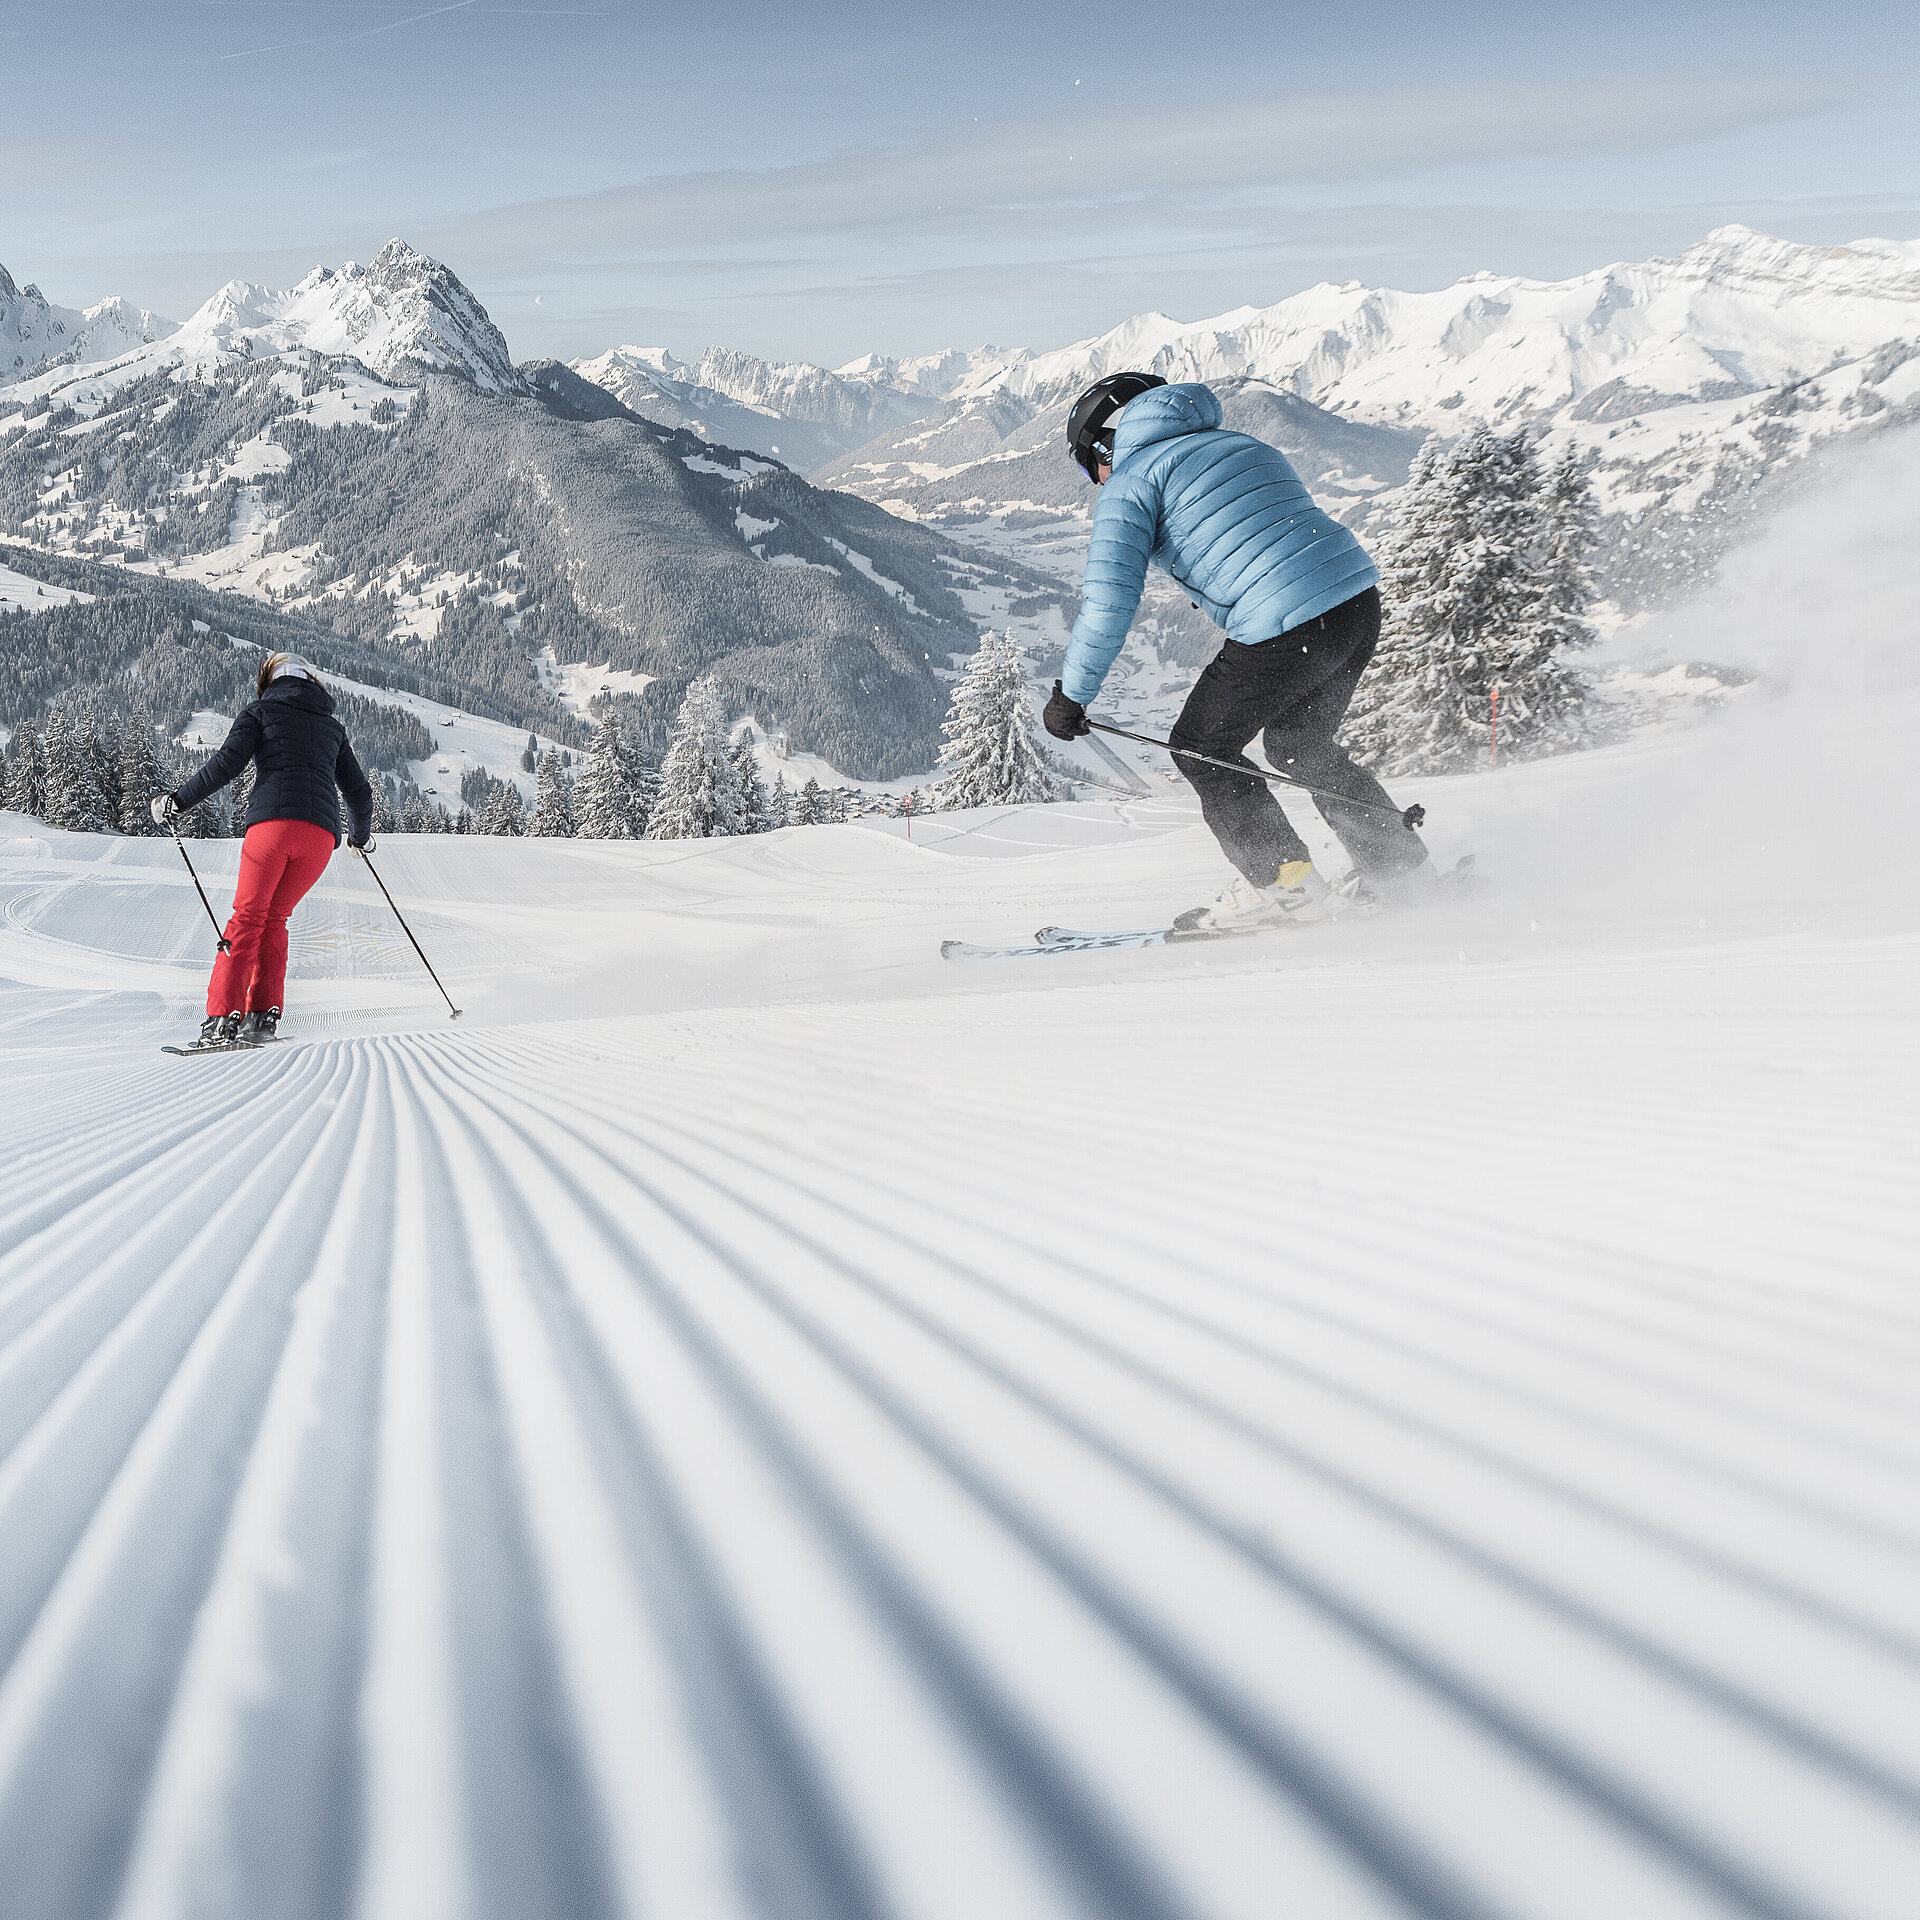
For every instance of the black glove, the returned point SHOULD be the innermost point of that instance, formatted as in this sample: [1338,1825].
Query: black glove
[1065,719]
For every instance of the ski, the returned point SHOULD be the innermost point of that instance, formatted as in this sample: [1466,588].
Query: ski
[1057,940]
[1053,940]
[230,1046]
[1085,943]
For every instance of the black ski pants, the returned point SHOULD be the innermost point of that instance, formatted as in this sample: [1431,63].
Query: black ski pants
[1293,692]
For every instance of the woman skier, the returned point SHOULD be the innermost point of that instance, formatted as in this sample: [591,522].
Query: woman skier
[303,765]
[1227,516]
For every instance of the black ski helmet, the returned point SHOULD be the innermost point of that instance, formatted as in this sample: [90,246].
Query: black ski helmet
[1090,424]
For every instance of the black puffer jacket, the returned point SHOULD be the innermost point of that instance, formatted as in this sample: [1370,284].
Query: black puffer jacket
[302,763]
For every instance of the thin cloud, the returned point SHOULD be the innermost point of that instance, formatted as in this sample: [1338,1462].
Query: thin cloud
[347,40]
[1203,163]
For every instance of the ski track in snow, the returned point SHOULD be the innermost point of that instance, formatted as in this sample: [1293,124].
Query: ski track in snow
[818,1434]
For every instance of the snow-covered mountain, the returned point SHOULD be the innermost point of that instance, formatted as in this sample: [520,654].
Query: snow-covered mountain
[802,414]
[35,334]
[1691,383]
[402,311]
[360,449]
[400,315]
[1739,313]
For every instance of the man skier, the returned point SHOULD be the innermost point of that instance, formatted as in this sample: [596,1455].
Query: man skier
[1229,519]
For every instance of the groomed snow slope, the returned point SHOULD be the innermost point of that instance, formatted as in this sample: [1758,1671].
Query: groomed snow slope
[1413,1417]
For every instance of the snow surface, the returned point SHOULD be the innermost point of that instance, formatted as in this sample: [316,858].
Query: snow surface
[1413,1416]
[36,596]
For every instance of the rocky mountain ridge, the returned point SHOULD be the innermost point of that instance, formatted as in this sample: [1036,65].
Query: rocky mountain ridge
[359,450]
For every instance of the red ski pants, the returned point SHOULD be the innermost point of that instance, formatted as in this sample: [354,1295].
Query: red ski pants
[279,861]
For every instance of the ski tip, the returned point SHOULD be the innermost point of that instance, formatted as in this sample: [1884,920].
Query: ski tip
[952,949]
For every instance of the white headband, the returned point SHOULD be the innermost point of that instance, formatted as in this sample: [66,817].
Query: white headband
[291,667]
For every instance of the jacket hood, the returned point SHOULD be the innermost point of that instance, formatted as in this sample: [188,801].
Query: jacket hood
[1163,413]
[303,693]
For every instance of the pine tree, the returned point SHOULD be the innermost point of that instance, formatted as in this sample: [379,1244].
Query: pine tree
[756,812]
[993,745]
[553,804]
[74,800]
[1469,591]
[642,784]
[239,798]
[414,817]
[203,822]
[530,754]
[505,814]
[26,782]
[606,808]
[699,795]
[140,775]
[100,728]
[806,805]
[1543,698]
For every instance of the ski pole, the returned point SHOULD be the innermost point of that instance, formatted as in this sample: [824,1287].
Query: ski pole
[407,930]
[226,946]
[1409,817]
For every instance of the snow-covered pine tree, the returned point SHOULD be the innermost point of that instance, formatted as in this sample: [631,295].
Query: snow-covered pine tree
[140,775]
[240,797]
[73,800]
[414,817]
[605,806]
[806,805]
[553,799]
[699,794]
[530,754]
[756,811]
[23,790]
[207,821]
[100,728]
[643,784]
[1543,698]
[1465,588]
[506,814]
[993,745]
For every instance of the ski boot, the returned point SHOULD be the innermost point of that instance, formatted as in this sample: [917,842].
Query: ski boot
[1298,895]
[260,1026]
[219,1033]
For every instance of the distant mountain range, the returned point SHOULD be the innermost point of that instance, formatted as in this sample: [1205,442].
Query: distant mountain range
[362,449]
[1691,383]
[35,334]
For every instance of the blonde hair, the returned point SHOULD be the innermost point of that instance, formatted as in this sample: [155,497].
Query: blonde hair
[272,664]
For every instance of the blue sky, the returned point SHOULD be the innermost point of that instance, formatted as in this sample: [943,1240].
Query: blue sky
[814,181]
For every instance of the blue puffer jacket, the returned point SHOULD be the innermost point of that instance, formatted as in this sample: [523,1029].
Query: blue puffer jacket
[1225,514]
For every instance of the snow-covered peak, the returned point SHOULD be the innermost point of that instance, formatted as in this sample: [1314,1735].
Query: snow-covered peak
[403,310]
[35,334]
[934,374]
[1737,312]
[617,361]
